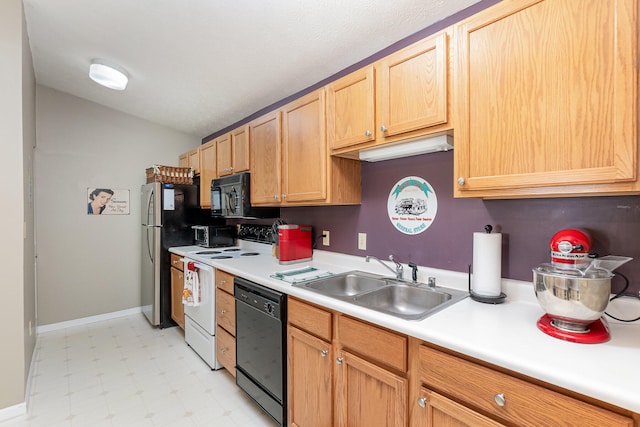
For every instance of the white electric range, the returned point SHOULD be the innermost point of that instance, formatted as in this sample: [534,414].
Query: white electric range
[200,320]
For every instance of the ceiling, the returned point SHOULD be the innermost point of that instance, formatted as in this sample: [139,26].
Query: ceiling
[201,65]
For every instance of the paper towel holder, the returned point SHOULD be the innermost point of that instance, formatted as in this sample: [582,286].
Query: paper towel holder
[482,298]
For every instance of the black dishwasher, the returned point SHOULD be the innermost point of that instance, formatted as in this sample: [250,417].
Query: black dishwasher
[261,346]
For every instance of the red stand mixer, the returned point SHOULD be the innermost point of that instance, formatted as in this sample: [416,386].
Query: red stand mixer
[574,289]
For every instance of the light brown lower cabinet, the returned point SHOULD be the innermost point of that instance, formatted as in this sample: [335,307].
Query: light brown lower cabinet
[326,349]
[455,391]
[368,395]
[346,372]
[310,380]
[177,286]
[225,321]
[440,411]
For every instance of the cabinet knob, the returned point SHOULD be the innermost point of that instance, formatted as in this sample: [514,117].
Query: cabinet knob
[284,196]
[222,281]
[367,133]
[223,311]
[223,350]
[339,360]
[179,276]
[500,399]
[422,402]
[383,128]
[275,196]
[324,353]
[461,181]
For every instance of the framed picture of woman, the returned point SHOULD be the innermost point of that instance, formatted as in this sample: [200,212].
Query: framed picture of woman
[107,201]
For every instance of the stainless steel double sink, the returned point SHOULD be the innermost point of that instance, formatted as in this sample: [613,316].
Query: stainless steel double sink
[406,300]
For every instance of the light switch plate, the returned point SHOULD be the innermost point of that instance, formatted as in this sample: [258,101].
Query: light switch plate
[362,241]
[325,238]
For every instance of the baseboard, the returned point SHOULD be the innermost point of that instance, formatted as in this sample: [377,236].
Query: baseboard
[86,320]
[21,408]
[13,411]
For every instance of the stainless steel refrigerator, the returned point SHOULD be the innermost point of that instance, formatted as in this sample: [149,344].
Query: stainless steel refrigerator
[168,212]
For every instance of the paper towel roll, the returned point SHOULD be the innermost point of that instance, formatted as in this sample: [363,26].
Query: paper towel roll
[487,264]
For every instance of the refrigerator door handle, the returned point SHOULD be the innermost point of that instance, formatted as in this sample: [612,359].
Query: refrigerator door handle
[149,244]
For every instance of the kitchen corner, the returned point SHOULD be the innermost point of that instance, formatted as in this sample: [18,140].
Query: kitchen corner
[504,335]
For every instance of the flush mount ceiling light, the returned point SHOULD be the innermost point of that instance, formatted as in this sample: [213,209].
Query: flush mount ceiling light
[108,75]
[406,149]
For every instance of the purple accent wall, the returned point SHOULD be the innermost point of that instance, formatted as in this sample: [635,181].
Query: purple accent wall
[526,224]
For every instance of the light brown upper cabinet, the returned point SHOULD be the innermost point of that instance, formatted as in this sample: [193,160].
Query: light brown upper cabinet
[351,110]
[207,172]
[183,160]
[413,87]
[240,149]
[190,159]
[403,96]
[546,96]
[290,162]
[233,151]
[304,149]
[265,135]
[224,156]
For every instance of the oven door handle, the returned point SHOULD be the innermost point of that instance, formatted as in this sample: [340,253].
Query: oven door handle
[197,264]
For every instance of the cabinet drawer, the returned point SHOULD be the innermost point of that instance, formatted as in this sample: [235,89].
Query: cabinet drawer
[524,403]
[312,319]
[226,311]
[373,342]
[176,263]
[224,281]
[226,350]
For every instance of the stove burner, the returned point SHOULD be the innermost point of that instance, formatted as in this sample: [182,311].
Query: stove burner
[598,331]
[221,257]
[208,252]
[250,254]
[232,250]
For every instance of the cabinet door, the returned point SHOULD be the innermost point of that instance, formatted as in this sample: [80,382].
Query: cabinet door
[436,410]
[240,149]
[226,350]
[226,311]
[309,376]
[367,395]
[223,155]
[183,160]
[304,152]
[266,137]
[547,96]
[177,286]
[194,161]
[413,87]
[350,109]
[207,172]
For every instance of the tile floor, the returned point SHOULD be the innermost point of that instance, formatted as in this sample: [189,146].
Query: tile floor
[124,373]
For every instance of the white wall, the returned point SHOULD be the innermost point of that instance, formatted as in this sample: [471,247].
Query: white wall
[16,224]
[90,264]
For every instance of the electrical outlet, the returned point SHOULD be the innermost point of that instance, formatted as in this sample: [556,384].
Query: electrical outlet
[325,238]
[362,241]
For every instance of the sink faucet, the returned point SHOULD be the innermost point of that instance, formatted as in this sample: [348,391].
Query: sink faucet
[398,271]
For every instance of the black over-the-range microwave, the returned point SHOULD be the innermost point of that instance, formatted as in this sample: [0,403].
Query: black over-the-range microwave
[230,198]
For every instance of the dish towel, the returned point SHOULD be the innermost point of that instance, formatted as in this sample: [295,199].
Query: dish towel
[302,274]
[191,292]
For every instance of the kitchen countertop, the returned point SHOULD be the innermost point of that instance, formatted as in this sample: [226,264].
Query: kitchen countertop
[504,334]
